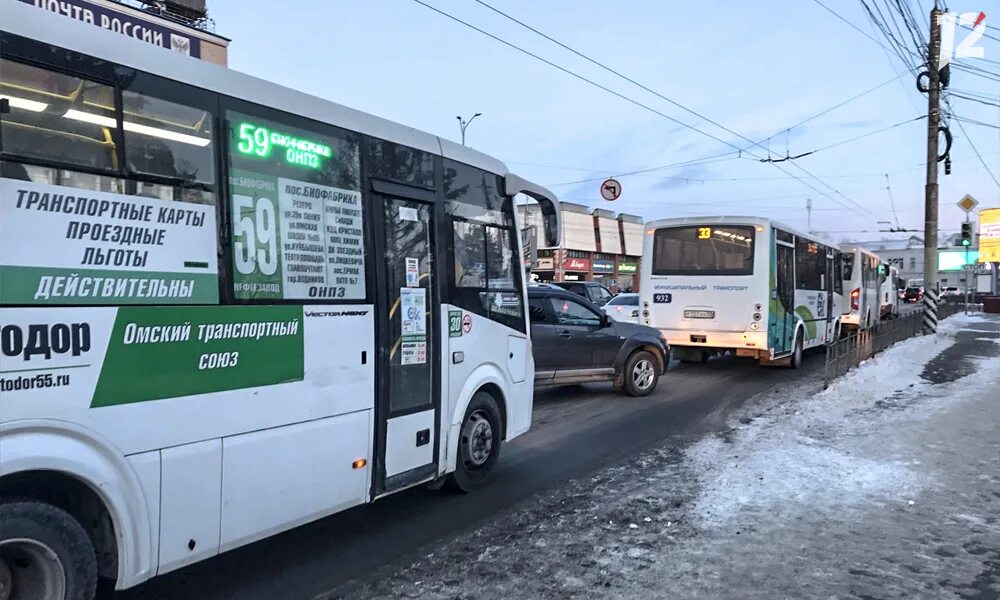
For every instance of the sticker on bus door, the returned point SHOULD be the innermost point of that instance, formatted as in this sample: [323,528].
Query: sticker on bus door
[412,272]
[413,311]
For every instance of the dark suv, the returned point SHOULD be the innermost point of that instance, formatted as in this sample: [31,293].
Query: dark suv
[591,290]
[573,341]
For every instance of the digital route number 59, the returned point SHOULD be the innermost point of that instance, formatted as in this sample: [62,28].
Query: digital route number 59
[255,241]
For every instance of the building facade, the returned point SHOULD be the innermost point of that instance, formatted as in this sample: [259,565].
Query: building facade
[597,245]
[178,25]
[908,256]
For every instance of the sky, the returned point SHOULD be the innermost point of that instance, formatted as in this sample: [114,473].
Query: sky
[756,68]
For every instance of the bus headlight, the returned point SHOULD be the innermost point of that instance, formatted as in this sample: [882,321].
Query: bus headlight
[755,326]
[758,307]
[645,313]
[756,316]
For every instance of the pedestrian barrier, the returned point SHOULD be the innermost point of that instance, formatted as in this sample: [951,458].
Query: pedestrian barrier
[847,353]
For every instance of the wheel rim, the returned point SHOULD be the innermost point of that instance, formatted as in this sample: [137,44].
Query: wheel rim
[30,570]
[477,438]
[643,374]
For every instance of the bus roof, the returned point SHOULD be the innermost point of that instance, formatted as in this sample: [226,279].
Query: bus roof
[738,220]
[28,21]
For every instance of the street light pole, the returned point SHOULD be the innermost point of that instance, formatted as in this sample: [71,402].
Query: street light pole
[462,123]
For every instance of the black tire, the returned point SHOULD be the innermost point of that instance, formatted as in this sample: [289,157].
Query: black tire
[482,419]
[55,535]
[640,374]
[796,361]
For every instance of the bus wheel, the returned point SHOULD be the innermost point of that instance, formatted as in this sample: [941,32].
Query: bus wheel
[796,361]
[478,445]
[44,554]
[640,374]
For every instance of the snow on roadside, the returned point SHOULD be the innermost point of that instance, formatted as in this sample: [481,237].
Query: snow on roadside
[781,459]
[867,489]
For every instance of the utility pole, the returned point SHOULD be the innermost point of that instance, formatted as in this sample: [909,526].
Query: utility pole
[931,188]
[809,214]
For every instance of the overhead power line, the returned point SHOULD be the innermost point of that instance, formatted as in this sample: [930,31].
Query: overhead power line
[842,142]
[972,144]
[648,89]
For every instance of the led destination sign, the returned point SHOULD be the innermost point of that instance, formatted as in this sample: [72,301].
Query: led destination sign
[256,140]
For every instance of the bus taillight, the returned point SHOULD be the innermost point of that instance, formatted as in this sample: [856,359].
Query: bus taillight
[855,294]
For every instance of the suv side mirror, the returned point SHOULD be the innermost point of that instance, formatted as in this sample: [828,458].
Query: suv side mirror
[606,320]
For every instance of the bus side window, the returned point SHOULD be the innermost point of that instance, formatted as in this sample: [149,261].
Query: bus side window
[838,268]
[170,140]
[58,118]
[487,276]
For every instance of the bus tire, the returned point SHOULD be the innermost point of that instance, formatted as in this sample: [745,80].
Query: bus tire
[479,442]
[640,374]
[45,554]
[796,360]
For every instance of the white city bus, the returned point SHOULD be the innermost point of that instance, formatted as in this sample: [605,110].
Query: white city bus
[889,291]
[743,284]
[228,308]
[862,281]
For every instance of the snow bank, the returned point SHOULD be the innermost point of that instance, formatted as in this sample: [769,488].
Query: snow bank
[801,455]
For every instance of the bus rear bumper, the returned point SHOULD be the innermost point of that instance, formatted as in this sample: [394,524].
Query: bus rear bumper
[744,342]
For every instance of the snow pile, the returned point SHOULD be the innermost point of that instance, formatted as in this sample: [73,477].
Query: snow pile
[804,455]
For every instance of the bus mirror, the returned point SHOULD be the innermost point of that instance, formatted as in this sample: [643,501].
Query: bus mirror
[548,206]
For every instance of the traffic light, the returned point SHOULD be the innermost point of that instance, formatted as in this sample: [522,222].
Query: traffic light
[966,234]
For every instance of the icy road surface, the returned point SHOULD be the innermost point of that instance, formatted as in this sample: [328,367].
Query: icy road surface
[886,485]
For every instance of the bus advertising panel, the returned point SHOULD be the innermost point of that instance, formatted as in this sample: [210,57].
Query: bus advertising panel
[989,235]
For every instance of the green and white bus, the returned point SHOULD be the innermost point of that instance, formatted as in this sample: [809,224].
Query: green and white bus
[228,308]
[747,285]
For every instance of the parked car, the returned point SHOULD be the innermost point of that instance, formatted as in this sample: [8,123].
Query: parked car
[591,290]
[623,307]
[913,294]
[951,293]
[573,341]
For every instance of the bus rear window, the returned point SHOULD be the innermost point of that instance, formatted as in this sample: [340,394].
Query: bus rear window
[703,250]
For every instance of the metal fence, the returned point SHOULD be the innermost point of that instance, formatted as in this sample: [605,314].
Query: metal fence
[847,353]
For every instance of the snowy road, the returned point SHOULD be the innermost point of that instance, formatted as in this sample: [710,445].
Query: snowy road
[730,482]
[885,486]
[576,431]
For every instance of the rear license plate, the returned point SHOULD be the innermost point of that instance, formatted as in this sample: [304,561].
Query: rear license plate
[699,314]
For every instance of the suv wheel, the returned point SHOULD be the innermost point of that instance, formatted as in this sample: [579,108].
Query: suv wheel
[641,374]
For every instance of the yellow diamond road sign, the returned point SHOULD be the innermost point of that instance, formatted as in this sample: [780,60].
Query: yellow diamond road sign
[968,203]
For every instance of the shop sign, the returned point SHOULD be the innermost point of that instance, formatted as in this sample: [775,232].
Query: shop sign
[577,264]
[604,266]
[545,264]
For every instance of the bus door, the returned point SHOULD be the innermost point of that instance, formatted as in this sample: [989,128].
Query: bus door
[408,369]
[783,299]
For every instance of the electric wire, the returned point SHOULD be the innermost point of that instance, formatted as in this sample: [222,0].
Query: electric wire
[971,143]
[659,95]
